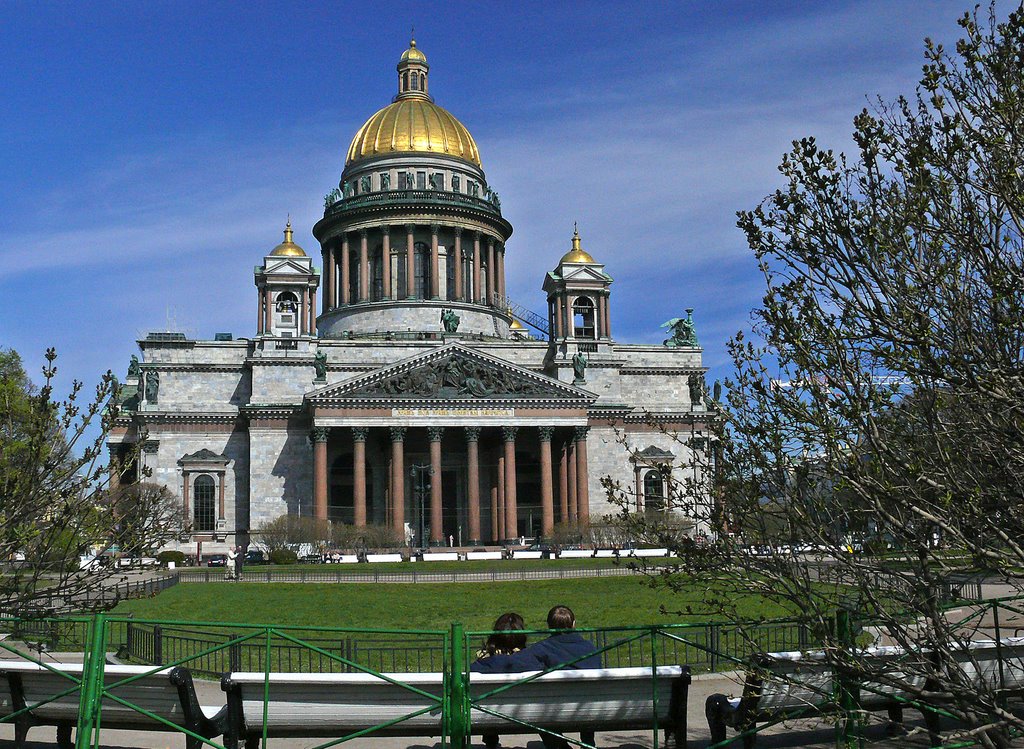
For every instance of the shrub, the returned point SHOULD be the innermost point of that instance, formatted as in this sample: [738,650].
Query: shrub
[283,556]
[178,557]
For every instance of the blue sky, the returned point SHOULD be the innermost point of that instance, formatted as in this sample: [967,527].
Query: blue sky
[152,151]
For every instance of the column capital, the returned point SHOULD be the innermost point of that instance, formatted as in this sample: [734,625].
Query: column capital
[320,434]
[385,228]
[359,434]
[472,434]
[546,433]
[435,228]
[477,234]
[362,233]
[434,434]
[490,241]
[581,433]
[398,434]
[457,230]
[410,228]
[509,433]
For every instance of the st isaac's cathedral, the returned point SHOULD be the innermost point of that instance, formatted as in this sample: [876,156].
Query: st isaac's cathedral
[413,396]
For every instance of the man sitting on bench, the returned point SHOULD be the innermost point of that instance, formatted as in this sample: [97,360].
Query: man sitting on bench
[560,648]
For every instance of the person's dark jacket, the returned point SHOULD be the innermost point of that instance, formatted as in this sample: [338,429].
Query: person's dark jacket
[500,663]
[560,648]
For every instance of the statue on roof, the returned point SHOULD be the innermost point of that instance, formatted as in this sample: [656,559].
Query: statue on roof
[152,390]
[449,320]
[684,334]
[579,368]
[320,365]
[133,367]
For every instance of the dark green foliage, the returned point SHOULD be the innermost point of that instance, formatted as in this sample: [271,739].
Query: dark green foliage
[178,557]
[283,556]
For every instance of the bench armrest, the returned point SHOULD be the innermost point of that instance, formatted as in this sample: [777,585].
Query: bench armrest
[195,720]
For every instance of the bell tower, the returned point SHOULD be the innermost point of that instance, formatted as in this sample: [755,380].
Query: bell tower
[578,291]
[286,298]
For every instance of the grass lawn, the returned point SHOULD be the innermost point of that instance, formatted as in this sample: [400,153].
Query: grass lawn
[598,602]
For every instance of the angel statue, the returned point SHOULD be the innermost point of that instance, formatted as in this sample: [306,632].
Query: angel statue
[683,332]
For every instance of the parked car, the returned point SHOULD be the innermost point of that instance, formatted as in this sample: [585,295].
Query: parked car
[217,560]
[311,559]
[255,556]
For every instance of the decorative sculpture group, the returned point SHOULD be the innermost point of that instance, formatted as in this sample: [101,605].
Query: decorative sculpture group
[449,320]
[684,334]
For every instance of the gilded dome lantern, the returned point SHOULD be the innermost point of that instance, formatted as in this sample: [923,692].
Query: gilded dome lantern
[413,227]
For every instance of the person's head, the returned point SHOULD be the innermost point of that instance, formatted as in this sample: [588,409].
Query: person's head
[508,636]
[561,617]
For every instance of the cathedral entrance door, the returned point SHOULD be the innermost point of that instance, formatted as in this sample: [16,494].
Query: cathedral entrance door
[450,505]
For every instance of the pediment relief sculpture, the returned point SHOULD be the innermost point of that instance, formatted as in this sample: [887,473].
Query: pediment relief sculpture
[456,376]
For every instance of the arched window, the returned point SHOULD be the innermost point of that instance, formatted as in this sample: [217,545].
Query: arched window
[421,259]
[415,82]
[405,81]
[583,317]
[287,302]
[204,509]
[654,491]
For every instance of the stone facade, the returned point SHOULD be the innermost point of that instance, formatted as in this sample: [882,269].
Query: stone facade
[352,402]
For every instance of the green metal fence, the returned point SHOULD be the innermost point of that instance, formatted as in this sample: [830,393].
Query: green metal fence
[381,656]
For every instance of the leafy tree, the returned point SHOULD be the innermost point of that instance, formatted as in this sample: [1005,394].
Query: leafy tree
[55,502]
[291,531]
[879,398]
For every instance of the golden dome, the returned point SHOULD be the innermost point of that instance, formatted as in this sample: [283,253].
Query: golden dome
[288,248]
[577,254]
[516,326]
[414,125]
[412,54]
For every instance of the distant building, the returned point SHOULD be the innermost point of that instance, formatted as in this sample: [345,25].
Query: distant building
[415,398]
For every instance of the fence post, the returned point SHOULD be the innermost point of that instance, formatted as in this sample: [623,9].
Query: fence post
[848,730]
[999,652]
[234,654]
[158,645]
[714,638]
[457,695]
[129,639]
[91,687]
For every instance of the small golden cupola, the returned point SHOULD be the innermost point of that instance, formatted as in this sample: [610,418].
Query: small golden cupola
[288,248]
[412,74]
[577,254]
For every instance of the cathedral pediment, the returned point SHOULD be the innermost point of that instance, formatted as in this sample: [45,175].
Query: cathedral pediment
[583,273]
[286,266]
[452,373]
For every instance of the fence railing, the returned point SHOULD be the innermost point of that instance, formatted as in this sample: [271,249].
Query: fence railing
[103,595]
[212,649]
[319,575]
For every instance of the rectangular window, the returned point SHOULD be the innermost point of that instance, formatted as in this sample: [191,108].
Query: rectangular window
[421,180]
[403,180]
[437,181]
[456,183]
